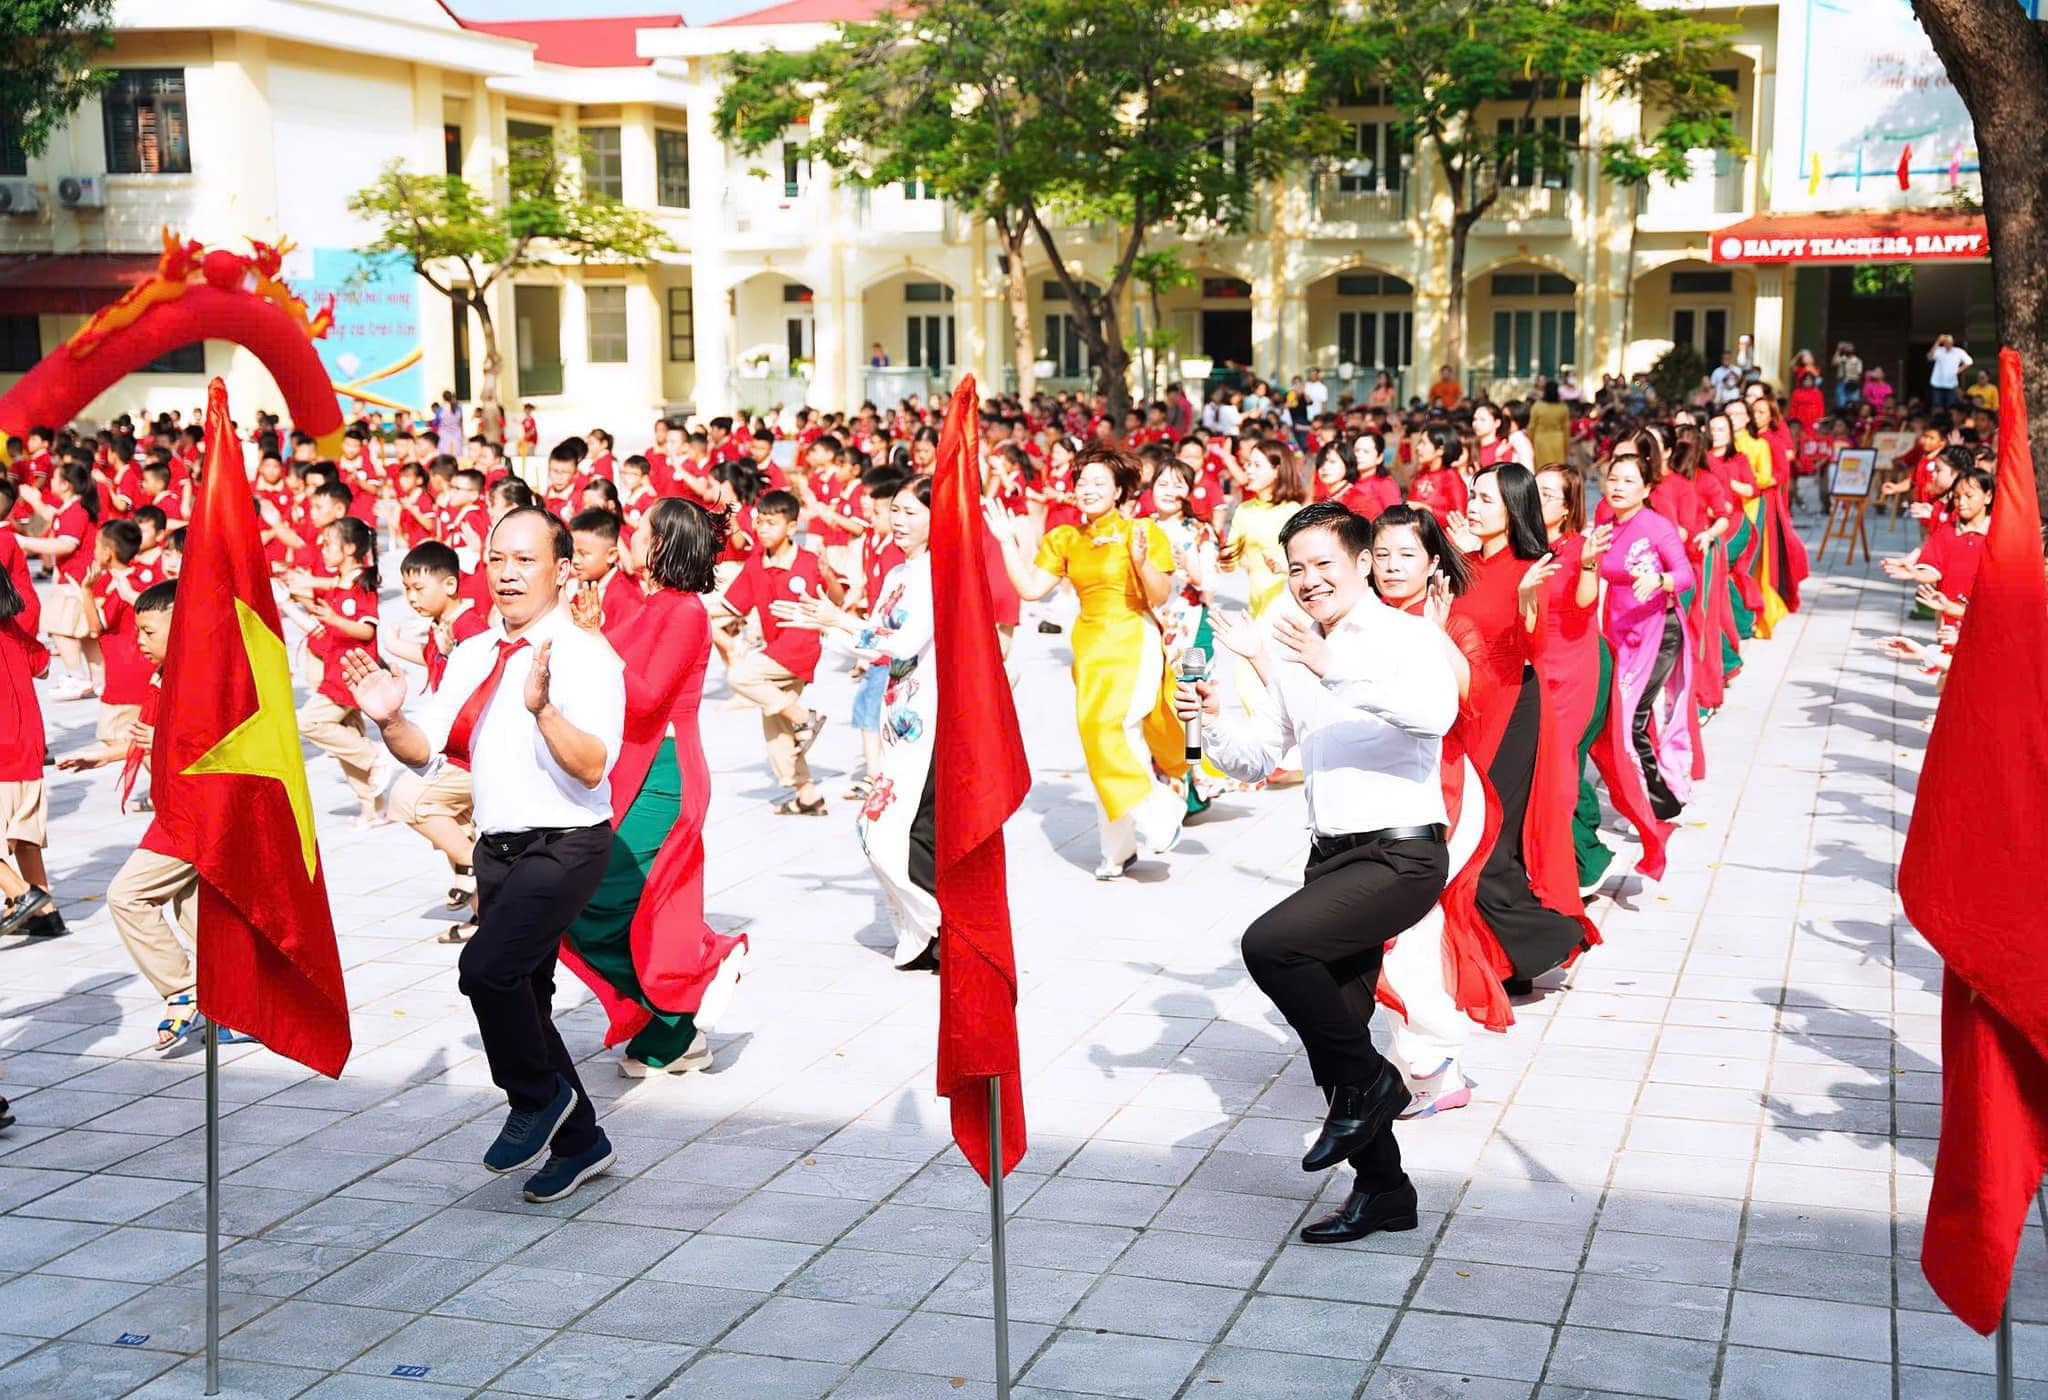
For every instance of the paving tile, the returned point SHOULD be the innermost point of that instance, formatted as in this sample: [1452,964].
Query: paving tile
[1471,1289]
[169,1317]
[47,1305]
[1483,1346]
[514,1293]
[406,1282]
[1664,1368]
[328,1335]
[1189,1312]
[811,1329]
[1645,1305]
[454,1350]
[1232,1263]
[843,1274]
[669,1312]
[731,1261]
[1311,1326]
[108,1200]
[79,1368]
[1749,1374]
[488,1236]
[575,1365]
[1404,1383]
[951,1345]
[1108,1364]
[133,1255]
[239,1380]
[718,1375]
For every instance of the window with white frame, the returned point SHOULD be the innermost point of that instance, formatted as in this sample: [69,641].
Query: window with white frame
[604,310]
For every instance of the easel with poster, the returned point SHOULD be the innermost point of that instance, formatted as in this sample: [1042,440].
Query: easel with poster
[1850,478]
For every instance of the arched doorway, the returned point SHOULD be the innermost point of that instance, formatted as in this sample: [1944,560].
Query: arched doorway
[910,335]
[1521,320]
[1361,321]
[775,333]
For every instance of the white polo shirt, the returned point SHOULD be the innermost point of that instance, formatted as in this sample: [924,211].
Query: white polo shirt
[515,781]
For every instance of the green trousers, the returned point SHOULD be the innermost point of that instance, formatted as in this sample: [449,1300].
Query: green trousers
[602,934]
[1594,854]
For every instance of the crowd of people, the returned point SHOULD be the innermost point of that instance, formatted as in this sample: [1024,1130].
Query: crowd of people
[1574,582]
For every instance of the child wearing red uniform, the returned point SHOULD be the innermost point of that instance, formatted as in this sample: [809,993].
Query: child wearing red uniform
[71,517]
[24,817]
[347,614]
[111,590]
[1437,485]
[636,496]
[440,807]
[595,560]
[417,519]
[773,678]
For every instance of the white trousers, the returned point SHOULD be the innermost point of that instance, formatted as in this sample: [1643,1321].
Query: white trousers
[1434,1030]
[1154,824]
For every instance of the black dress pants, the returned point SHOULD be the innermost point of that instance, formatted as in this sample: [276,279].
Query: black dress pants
[1662,801]
[1314,950]
[526,899]
[1535,937]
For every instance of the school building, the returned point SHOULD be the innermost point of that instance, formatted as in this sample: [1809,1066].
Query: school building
[1842,220]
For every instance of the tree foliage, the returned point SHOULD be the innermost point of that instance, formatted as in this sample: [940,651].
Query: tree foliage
[445,226]
[1470,79]
[47,48]
[1047,116]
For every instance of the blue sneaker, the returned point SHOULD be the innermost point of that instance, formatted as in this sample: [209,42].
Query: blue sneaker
[525,1137]
[564,1174]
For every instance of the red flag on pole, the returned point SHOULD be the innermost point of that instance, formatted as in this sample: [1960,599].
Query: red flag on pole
[230,782]
[1906,167]
[1970,881]
[979,778]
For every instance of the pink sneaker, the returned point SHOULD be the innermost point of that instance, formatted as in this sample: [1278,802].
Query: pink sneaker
[1438,1093]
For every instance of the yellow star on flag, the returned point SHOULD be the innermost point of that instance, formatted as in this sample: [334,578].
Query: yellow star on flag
[266,744]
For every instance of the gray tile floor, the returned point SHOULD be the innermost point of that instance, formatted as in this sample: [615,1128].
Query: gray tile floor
[1697,1171]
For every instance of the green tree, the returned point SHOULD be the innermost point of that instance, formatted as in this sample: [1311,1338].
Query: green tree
[463,241]
[47,48]
[1471,76]
[1046,117]
[1158,273]
[1998,60]
[1634,166]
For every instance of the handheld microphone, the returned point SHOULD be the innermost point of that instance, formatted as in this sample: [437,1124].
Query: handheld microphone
[1194,666]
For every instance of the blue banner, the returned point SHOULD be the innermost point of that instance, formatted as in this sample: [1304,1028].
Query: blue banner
[376,322]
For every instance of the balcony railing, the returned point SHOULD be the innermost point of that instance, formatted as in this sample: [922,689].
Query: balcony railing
[889,210]
[1330,203]
[1520,204]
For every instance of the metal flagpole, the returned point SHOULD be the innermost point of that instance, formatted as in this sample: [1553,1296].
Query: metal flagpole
[998,1264]
[212,1208]
[2004,1351]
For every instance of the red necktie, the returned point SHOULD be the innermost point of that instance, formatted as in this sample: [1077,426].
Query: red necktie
[456,749]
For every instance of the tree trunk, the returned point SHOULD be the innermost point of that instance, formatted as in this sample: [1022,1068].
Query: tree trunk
[487,337]
[1996,58]
[1156,382]
[1018,286]
[1112,358]
[1628,285]
[1454,305]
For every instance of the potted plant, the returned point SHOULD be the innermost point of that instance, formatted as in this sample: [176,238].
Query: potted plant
[1045,366]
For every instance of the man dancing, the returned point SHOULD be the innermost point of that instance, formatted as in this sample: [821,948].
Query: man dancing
[1367,693]
[534,707]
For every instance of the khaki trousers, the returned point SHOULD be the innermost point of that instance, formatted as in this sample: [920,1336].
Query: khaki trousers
[762,681]
[339,732]
[146,885]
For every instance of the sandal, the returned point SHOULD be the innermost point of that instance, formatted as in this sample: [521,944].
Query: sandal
[793,808]
[181,1020]
[858,790]
[806,734]
[460,933]
[464,888]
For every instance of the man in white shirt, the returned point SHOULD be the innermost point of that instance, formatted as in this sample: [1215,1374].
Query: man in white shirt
[1367,694]
[1316,392]
[1949,360]
[534,707]
[1727,380]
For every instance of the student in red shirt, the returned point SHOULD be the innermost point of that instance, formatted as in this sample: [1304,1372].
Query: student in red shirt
[24,813]
[1948,562]
[1437,485]
[111,589]
[636,496]
[595,562]
[564,486]
[761,452]
[440,808]
[773,678]
[347,614]
[417,520]
[71,515]
[529,432]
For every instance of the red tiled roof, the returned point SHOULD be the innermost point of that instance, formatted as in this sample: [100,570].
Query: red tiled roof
[811,12]
[600,42]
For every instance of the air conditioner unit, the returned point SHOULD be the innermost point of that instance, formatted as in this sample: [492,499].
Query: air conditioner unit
[17,196]
[82,192]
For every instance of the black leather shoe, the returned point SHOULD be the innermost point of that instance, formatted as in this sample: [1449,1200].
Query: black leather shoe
[1365,1213]
[1358,1114]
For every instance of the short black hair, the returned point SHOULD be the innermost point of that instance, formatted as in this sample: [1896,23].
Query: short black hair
[558,534]
[158,597]
[780,504]
[151,515]
[1353,530]
[601,523]
[431,557]
[336,492]
[124,537]
[512,493]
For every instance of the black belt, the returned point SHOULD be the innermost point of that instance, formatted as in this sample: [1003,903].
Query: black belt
[504,845]
[1323,847]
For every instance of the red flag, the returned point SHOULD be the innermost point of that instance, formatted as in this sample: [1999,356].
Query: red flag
[979,777]
[230,782]
[1906,167]
[1970,881]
